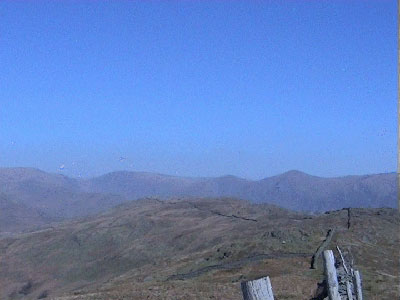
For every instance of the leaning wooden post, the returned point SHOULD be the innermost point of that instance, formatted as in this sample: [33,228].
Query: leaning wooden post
[331,276]
[341,256]
[259,289]
[358,285]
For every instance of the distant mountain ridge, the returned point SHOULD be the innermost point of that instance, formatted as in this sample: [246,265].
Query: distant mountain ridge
[59,196]
[293,189]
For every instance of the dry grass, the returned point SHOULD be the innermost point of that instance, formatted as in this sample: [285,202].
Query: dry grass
[131,252]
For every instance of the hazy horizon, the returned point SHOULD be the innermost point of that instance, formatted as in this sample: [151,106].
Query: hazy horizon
[200,89]
[191,176]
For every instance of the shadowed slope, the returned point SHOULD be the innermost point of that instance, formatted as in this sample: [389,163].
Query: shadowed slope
[15,217]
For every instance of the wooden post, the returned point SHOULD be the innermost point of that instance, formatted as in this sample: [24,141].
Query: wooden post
[341,256]
[331,276]
[259,289]
[349,291]
[358,285]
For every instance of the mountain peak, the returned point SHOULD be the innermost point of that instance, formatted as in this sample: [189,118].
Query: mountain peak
[295,173]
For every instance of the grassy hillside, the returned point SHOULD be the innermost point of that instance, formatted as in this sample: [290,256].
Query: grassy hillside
[195,249]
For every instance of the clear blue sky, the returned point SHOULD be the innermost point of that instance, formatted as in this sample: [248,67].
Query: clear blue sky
[200,88]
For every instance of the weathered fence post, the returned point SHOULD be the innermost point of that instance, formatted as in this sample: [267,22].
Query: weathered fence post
[349,292]
[259,289]
[358,285]
[331,276]
[343,261]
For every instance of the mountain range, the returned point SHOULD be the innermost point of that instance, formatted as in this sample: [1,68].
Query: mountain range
[32,194]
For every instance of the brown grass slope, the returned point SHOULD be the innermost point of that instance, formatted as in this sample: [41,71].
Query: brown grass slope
[195,249]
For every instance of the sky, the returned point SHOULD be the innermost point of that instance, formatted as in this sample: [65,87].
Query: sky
[199,88]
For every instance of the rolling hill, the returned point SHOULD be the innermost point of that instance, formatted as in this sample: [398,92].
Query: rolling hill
[16,217]
[54,195]
[195,249]
[60,197]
